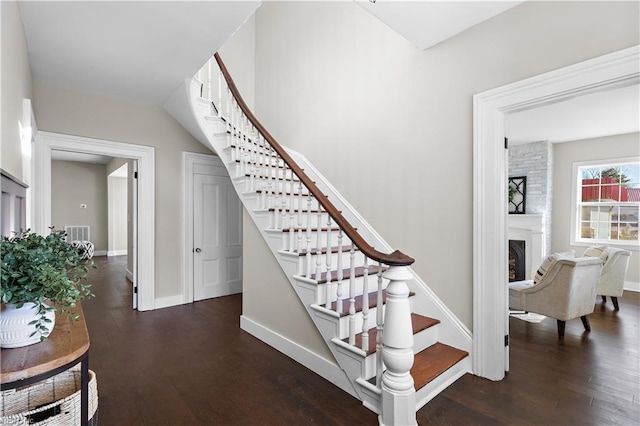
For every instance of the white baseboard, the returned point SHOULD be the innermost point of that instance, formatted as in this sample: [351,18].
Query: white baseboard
[100,253]
[632,286]
[304,356]
[165,302]
[130,276]
[117,252]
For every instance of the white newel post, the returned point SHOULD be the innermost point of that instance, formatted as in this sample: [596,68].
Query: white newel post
[398,393]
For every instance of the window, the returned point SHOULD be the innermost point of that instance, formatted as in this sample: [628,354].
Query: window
[608,203]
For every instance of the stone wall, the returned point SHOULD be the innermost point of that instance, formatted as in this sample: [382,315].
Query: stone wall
[535,161]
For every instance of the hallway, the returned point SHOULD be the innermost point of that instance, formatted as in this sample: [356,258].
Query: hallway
[192,365]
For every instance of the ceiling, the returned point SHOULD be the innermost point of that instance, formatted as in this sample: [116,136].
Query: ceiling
[427,23]
[598,114]
[138,50]
[144,51]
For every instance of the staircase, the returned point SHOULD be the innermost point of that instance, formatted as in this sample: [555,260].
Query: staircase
[395,341]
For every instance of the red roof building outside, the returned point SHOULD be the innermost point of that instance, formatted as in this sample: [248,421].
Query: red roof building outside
[607,189]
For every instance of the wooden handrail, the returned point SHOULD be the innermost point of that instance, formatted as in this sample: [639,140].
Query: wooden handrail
[397,258]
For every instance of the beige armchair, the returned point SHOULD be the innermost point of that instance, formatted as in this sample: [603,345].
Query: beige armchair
[614,271]
[565,290]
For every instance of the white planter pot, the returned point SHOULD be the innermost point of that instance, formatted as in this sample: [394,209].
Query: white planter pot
[14,325]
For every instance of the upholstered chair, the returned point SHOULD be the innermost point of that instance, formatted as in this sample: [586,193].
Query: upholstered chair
[614,271]
[564,288]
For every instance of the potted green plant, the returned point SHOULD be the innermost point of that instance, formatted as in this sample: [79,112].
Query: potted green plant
[40,274]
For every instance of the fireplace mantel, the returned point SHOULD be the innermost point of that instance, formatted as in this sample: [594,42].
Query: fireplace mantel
[530,229]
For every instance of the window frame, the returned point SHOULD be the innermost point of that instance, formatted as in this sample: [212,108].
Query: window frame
[577,204]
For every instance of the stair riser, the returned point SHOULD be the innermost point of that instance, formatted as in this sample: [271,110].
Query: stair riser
[425,338]
[344,322]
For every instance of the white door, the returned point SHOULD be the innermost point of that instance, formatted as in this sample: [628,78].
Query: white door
[217,237]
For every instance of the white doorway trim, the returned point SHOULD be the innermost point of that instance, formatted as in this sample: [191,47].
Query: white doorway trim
[490,320]
[145,156]
[190,163]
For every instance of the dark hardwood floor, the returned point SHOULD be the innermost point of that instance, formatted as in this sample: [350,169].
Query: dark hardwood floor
[192,365]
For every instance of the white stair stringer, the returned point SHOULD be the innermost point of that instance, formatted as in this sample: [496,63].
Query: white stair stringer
[194,113]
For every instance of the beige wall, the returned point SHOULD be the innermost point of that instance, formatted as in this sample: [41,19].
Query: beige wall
[238,54]
[117,214]
[565,154]
[73,184]
[70,112]
[16,85]
[123,210]
[391,126]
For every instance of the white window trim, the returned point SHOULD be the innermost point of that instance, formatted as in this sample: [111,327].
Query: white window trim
[575,196]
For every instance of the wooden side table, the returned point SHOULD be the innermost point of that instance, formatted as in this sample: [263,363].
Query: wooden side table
[67,345]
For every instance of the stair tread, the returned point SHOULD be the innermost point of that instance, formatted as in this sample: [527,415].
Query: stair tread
[288,194]
[296,180]
[418,322]
[297,210]
[296,229]
[433,361]
[254,163]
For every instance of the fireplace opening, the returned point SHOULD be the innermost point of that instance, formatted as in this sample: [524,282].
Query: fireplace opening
[516,260]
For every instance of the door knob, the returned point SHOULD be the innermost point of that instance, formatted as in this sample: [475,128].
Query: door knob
[197,250]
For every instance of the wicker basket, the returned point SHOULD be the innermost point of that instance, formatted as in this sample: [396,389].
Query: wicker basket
[55,401]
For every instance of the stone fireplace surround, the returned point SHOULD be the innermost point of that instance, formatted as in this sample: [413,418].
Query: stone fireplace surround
[529,228]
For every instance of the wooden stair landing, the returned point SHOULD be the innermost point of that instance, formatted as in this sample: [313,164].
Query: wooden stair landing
[433,361]
[418,323]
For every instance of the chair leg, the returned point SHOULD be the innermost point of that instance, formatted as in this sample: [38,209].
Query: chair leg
[615,303]
[561,325]
[585,322]
[604,299]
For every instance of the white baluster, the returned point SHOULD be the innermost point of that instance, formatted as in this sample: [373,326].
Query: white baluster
[319,247]
[292,233]
[339,275]
[379,328]
[220,77]
[299,246]
[209,81]
[328,262]
[308,253]
[276,210]
[300,221]
[365,306]
[228,105]
[352,297]
[285,225]
[398,393]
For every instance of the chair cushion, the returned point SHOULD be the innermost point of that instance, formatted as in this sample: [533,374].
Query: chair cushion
[596,251]
[548,262]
